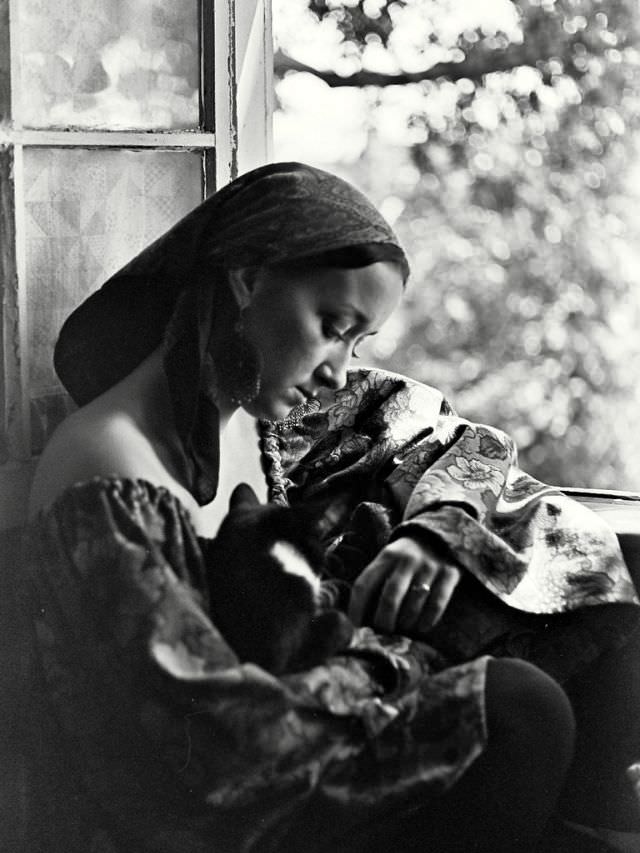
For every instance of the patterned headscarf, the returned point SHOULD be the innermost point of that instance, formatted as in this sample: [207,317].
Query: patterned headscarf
[275,214]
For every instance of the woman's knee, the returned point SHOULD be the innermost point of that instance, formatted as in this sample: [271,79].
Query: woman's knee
[505,799]
[528,710]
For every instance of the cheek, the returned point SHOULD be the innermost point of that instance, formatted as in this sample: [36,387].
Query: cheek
[286,338]
[263,330]
[288,335]
[307,346]
[291,356]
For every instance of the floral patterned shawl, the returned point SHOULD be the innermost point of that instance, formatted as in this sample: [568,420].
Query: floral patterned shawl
[394,447]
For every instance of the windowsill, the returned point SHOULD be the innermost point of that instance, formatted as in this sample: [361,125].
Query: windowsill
[621,510]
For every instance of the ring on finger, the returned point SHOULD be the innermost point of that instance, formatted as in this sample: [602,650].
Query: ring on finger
[421,587]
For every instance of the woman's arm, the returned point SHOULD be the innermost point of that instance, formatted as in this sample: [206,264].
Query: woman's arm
[454,487]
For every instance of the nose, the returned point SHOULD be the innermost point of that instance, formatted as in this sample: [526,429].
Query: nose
[333,374]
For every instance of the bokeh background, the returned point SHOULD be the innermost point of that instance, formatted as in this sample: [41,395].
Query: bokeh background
[501,140]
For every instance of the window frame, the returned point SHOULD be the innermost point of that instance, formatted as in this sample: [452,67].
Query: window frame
[235,134]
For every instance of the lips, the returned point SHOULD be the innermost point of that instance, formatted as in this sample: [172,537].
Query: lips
[295,396]
[308,395]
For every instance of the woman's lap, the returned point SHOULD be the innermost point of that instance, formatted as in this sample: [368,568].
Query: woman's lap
[597,793]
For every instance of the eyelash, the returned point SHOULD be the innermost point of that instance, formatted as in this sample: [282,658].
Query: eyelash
[330,331]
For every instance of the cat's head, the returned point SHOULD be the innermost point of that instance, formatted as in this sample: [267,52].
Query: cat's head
[267,594]
[289,536]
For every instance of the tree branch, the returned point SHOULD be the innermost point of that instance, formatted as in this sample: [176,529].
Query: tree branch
[475,67]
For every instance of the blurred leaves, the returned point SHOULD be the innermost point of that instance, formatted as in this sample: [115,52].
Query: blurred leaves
[515,189]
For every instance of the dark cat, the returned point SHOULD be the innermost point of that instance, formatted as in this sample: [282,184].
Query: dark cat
[267,598]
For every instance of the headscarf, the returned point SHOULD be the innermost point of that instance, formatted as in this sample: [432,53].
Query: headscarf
[172,291]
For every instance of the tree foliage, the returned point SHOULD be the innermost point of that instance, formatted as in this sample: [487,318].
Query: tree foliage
[514,188]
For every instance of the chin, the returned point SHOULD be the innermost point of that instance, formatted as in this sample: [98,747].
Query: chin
[272,410]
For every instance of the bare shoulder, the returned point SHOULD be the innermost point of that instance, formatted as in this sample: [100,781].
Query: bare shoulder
[90,444]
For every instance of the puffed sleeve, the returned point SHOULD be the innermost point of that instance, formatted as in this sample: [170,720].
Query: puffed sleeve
[533,547]
[175,742]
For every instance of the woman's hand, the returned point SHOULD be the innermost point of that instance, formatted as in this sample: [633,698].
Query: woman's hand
[404,590]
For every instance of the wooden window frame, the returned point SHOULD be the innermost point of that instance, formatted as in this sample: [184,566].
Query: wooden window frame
[235,135]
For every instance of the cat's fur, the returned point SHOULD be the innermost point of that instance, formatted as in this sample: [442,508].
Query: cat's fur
[267,598]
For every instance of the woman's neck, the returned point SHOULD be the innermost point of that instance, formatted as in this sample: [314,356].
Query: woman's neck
[144,396]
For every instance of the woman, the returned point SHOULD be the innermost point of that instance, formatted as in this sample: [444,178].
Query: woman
[154,737]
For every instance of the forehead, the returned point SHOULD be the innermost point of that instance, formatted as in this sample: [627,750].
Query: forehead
[373,290]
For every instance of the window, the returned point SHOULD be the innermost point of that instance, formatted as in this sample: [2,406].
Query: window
[117,118]
[501,140]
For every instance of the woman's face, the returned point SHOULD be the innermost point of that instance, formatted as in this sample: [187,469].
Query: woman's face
[307,325]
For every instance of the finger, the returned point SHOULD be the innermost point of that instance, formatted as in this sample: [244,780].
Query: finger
[394,591]
[439,597]
[367,585]
[417,595]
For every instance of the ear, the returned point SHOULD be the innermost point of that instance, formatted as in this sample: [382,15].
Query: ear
[242,283]
[243,497]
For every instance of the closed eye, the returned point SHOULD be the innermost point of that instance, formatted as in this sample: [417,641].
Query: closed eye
[332,332]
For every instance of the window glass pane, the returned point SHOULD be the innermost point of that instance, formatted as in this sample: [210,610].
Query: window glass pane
[86,214]
[109,64]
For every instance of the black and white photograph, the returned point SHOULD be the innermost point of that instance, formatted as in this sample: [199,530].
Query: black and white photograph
[320,426]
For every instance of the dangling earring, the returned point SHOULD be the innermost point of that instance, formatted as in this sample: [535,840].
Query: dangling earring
[243,380]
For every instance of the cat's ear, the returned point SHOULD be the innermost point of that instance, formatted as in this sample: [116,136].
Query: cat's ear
[243,497]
